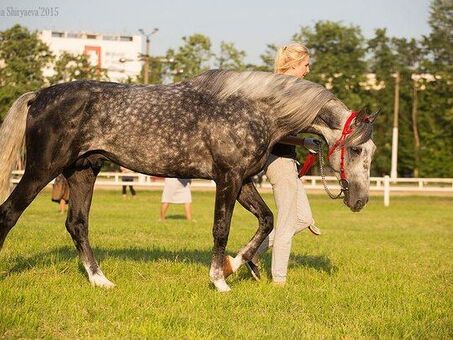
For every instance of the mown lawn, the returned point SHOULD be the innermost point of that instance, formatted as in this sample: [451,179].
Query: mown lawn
[384,272]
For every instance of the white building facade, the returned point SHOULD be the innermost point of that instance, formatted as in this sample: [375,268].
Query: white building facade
[118,54]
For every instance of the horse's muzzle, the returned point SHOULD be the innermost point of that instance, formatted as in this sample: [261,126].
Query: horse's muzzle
[359,204]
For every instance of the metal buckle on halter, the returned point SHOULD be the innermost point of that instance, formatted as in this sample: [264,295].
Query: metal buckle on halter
[344,184]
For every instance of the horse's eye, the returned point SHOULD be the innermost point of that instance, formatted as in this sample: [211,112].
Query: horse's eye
[356,151]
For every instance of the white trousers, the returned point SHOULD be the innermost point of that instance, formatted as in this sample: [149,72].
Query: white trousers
[293,212]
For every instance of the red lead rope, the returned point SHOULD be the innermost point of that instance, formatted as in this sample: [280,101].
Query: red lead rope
[311,157]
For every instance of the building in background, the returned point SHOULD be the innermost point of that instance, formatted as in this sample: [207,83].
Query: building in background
[118,54]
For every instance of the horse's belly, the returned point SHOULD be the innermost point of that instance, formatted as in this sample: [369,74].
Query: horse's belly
[171,159]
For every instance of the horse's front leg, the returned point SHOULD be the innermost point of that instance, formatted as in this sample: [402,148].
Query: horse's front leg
[228,187]
[251,200]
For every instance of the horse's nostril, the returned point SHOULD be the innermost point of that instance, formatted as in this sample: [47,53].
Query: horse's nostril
[358,204]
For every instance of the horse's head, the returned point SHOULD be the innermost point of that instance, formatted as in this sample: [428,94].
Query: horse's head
[358,154]
[350,149]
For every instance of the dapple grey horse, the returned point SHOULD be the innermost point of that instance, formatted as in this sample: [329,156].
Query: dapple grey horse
[220,125]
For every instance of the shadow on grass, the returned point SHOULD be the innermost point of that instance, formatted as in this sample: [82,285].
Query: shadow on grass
[66,254]
[318,262]
[175,217]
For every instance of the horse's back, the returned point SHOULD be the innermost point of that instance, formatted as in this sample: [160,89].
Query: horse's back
[159,129]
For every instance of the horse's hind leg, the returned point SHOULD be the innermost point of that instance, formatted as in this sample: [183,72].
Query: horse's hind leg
[81,185]
[251,200]
[31,183]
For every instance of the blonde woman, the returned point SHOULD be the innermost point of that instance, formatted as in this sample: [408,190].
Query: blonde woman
[293,209]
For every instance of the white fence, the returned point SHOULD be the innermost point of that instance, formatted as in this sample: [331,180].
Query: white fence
[385,184]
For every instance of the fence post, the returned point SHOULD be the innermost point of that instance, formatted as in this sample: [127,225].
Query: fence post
[386,190]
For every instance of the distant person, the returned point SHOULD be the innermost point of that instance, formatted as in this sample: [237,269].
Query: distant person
[176,191]
[127,179]
[60,192]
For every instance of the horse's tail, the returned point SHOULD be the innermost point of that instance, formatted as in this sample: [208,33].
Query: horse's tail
[12,133]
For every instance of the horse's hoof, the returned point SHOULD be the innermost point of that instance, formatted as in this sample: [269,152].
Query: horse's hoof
[221,286]
[101,281]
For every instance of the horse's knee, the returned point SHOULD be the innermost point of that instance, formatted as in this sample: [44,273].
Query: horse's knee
[78,230]
[220,237]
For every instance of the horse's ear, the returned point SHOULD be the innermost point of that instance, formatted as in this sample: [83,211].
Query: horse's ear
[372,117]
[364,117]
[361,117]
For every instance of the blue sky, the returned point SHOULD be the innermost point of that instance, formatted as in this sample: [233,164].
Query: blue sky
[249,24]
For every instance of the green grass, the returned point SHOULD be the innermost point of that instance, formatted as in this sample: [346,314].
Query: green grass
[384,272]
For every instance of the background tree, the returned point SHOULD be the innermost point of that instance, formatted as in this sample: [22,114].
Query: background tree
[69,67]
[23,56]
[383,64]
[157,71]
[230,58]
[436,99]
[337,57]
[191,58]
[408,65]
[386,57]
[268,58]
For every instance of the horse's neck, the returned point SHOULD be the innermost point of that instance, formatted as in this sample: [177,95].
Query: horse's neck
[329,123]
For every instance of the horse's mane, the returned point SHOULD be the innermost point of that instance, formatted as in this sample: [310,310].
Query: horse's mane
[297,101]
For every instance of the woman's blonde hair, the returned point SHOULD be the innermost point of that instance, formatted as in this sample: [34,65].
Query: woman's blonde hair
[289,56]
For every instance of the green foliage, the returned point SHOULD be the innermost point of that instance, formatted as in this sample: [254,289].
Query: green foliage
[158,69]
[436,102]
[191,58]
[70,67]
[230,58]
[388,56]
[436,122]
[337,58]
[22,58]
[439,43]
[268,58]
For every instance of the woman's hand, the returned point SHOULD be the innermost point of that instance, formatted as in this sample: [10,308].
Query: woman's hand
[312,144]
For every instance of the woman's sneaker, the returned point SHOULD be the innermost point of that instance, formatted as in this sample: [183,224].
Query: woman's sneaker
[254,270]
[314,229]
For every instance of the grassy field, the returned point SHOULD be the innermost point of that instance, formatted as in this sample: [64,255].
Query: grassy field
[384,272]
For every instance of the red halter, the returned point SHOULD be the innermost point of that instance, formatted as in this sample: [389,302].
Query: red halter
[341,142]
[311,157]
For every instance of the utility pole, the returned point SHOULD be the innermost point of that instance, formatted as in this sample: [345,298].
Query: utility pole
[396,108]
[415,79]
[146,57]
[146,66]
